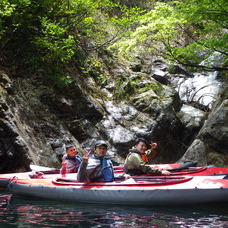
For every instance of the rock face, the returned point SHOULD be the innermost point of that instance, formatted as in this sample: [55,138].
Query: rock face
[211,143]
[13,150]
[193,119]
[36,121]
[206,141]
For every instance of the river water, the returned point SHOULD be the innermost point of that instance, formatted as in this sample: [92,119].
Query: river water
[33,212]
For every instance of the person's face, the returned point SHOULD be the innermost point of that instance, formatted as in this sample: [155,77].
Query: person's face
[101,150]
[141,147]
[71,151]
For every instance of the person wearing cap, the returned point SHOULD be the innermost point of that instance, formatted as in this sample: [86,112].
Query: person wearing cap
[71,160]
[96,167]
[136,162]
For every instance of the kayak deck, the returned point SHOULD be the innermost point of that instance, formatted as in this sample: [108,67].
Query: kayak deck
[152,182]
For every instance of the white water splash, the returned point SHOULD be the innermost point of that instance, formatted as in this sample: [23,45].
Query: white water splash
[201,88]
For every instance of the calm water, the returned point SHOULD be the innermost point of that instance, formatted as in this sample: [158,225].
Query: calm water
[31,212]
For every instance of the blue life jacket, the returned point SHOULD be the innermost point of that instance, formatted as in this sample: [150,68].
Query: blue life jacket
[107,169]
[78,161]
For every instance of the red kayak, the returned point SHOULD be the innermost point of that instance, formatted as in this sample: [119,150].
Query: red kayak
[176,169]
[36,170]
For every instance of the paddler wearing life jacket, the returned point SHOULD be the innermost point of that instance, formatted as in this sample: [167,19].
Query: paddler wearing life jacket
[96,167]
[136,162]
[71,160]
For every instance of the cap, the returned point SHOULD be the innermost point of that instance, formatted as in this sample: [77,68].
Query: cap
[69,146]
[99,143]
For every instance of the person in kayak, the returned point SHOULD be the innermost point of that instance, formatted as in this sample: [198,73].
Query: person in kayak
[96,168]
[136,162]
[71,160]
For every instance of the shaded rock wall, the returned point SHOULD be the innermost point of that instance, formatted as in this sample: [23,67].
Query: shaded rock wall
[36,121]
[210,146]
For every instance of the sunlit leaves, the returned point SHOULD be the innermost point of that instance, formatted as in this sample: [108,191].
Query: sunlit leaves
[180,30]
[208,21]
[154,27]
[6,9]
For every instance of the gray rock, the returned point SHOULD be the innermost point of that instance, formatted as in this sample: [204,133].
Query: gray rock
[37,120]
[212,140]
[196,152]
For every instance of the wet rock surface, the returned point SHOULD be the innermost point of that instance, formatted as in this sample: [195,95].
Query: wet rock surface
[36,120]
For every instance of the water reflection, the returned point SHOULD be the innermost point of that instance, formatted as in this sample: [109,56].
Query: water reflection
[25,212]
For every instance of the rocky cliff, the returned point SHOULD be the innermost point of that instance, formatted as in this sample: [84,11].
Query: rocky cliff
[37,120]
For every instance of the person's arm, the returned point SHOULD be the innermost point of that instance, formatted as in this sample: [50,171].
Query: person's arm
[82,171]
[152,151]
[140,164]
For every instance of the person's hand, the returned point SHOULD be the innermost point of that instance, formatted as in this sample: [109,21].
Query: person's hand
[165,172]
[64,164]
[127,176]
[153,145]
[85,157]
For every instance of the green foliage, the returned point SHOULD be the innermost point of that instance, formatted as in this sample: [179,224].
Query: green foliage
[95,68]
[180,30]
[127,87]
[6,10]
[49,34]
[34,33]
[188,54]
[128,18]
[207,22]
[55,42]
[154,27]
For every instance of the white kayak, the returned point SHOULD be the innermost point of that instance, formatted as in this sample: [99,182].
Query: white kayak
[157,191]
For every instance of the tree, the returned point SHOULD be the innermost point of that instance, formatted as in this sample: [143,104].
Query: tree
[182,31]
[49,34]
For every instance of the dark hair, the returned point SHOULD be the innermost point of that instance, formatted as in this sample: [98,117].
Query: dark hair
[138,140]
[69,146]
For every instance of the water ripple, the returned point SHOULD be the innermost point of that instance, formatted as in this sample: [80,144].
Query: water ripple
[30,212]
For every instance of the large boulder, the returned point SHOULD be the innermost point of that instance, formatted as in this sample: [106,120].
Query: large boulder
[193,120]
[211,144]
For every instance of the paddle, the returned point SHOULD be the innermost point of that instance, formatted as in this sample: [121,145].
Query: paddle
[44,169]
[48,170]
[185,165]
